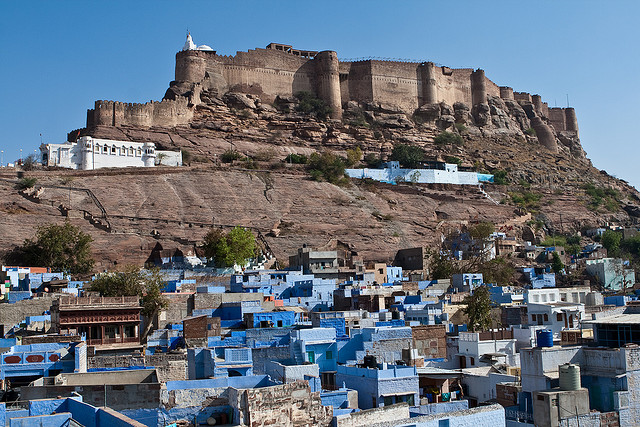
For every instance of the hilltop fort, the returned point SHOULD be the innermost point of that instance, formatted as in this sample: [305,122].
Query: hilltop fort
[246,140]
[280,71]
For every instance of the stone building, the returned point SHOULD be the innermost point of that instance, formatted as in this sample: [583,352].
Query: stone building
[281,71]
[113,321]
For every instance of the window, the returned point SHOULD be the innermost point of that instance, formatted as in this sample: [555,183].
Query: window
[533,317]
[546,317]
[96,148]
[559,317]
[105,149]
[131,151]
[139,152]
[329,354]
[472,361]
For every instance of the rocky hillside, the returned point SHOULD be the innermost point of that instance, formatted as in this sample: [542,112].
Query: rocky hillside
[546,187]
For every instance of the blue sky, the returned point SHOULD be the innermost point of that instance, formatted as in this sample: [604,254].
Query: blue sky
[57,58]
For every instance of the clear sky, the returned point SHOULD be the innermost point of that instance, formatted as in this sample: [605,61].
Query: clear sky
[58,57]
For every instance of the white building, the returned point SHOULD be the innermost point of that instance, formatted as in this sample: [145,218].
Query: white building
[93,153]
[392,173]
[556,316]
[551,295]
[477,349]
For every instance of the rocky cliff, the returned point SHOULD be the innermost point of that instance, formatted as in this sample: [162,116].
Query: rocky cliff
[548,187]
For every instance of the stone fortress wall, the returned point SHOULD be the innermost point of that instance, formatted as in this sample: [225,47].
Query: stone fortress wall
[165,113]
[273,72]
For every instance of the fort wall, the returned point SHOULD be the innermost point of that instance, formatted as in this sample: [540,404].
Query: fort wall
[269,73]
[395,83]
[558,119]
[506,92]
[164,113]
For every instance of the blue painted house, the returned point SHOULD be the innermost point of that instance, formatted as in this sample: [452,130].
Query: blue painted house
[381,386]
[43,360]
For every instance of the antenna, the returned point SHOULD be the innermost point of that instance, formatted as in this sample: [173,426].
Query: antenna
[567,100]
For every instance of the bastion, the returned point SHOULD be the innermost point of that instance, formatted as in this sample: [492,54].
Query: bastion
[279,70]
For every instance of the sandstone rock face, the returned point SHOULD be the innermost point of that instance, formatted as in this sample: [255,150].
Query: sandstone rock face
[544,134]
[176,206]
[239,100]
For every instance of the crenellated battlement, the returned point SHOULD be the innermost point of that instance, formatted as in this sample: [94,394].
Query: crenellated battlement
[281,70]
[165,113]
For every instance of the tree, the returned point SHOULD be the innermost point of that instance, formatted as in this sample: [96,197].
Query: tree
[479,309]
[354,155]
[556,264]
[308,103]
[327,166]
[30,162]
[228,249]
[441,266]
[133,281]
[497,271]
[445,138]
[611,241]
[60,247]
[409,156]
[481,231]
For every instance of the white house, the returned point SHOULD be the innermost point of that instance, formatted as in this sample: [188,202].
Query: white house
[448,174]
[556,316]
[90,153]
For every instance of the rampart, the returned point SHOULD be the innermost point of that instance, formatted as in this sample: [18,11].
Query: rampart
[272,72]
[166,113]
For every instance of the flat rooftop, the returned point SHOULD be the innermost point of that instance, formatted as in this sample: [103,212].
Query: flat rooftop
[628,319]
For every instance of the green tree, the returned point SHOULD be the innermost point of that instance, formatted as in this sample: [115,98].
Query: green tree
[354,155]
[147,285]
[448,138]
[611,241]
[61,247]
[327,166]
[556,264]
[479,309]
[308,103]
[228,249]
[372,161]
[441,266]
[409,156]
[482,230]
[497,270]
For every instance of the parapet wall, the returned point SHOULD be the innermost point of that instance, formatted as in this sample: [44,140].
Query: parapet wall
[269,73]
[166,113]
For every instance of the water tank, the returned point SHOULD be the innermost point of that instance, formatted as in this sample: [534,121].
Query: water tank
[544,338]
[569,377]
